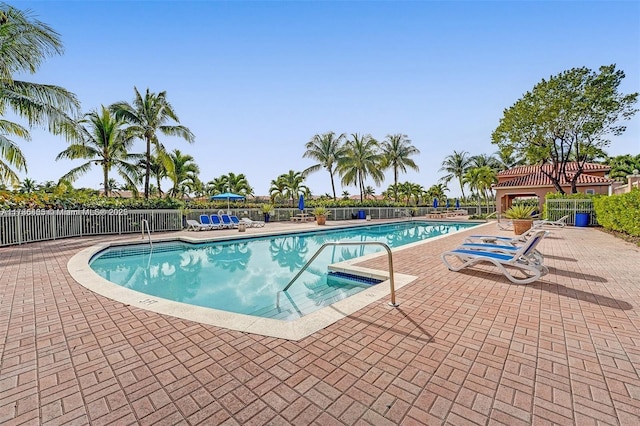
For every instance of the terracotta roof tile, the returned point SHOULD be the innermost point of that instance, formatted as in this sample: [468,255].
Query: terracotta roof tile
[570,167]
[538,179]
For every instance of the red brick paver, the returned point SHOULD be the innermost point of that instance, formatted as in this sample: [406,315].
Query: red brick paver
[462,348]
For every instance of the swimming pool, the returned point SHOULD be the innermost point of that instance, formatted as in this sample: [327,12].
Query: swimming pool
[246,276]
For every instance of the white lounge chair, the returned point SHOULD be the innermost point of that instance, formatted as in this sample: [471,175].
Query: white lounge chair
[252,223]
[194,225]
[560,223]
[522,259]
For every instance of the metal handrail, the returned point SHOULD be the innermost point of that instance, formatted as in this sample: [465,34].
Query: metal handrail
[143,222]
[352,243]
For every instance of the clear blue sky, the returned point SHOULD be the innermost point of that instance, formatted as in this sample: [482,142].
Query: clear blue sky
[255,81]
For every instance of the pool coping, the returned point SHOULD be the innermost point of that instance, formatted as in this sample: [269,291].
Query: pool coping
[297,329]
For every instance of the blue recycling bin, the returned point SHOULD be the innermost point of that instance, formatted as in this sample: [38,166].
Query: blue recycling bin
[361,214]
[582,219]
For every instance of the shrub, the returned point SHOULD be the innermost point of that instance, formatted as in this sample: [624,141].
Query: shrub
[619,212]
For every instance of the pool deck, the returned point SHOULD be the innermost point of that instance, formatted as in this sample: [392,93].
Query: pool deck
[462,347]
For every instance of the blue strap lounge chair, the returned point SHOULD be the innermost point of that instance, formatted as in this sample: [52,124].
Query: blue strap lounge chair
[523,259]
[204,220]
[217,222]
[226,221]
[235,220]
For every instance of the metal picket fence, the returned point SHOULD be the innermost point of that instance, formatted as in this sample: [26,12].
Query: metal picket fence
[557,208]
[25,226]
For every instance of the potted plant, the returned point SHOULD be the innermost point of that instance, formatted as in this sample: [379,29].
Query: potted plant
[521,216]
[185,211]
[321,214]
[267,211]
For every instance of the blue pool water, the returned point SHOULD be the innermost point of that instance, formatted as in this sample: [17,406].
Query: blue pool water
[247,275]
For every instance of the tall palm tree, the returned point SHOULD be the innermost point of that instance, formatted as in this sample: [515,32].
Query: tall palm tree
[102,142]
[456,166]
[362,158]
[146,117]
[396,152]
[293,185]
[24,45]
[238,184]
[327,149]
[183,171]
[27,186]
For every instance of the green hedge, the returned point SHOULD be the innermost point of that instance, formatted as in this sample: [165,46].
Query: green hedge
[620,212]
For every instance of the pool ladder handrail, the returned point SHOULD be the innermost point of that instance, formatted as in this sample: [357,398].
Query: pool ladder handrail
[146,222]
[353,243]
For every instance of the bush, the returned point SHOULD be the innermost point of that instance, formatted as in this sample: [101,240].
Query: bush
[619,212]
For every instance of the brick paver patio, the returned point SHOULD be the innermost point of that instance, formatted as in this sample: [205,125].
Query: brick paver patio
[462,348]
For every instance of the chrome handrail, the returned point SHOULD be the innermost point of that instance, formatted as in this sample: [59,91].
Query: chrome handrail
[143,222]
[352,243]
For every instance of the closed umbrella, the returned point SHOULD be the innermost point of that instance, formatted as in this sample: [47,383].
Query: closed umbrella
[448,204]
[228,196]
[301,202]
[435,203]
[457,204]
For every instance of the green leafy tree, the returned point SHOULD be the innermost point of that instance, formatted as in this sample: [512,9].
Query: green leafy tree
[396,153]
[25,43]
[456,166]
[102,142]
[183,171]
[28,186]
[291,185]
[566,118]
[148,116]
[362,159]
[623,166]
[327,149]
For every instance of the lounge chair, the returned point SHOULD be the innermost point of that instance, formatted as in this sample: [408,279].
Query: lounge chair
[497,239]
[522,259]
[252,223]
[194,225]
[204,220]
[226,221]
[235,220]
[217,222]
[560,223]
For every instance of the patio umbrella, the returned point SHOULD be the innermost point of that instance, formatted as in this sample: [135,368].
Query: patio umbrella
[301,202]
[435,203]
[448,203]
[457,204]
[228,196]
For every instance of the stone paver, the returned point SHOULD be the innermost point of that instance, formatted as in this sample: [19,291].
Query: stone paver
[462,348]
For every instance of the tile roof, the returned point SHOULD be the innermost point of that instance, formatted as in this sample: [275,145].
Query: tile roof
[538,179]
[570,167]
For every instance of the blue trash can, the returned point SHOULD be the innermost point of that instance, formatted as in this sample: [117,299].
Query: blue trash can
[582,219]
[362,214]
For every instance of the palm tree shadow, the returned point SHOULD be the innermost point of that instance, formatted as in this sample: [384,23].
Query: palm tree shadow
[577,275]
[565,259]
[585,296]
[560,289]
[425,338]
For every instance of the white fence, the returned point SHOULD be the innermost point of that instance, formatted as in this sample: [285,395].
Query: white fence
[24,226]
[558,208]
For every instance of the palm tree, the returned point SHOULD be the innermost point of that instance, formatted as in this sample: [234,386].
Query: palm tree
[623,166]
[238,184]
[24,45]
[396,150]
[183,171]
[27,186]
[362,158]
[291,185]
[369,192]
[102,142]
[328,150]
[456,166]
[146,117]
